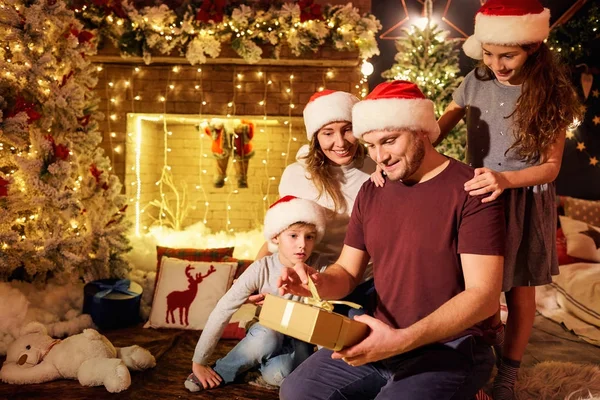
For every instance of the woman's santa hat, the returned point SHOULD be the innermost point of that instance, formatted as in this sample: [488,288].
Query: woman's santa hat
[290,210]
[508,22]
[325,107]
[395,105]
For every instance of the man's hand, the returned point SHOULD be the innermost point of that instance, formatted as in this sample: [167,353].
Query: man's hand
[487,181]
[295,280]
[206,375]
[383,342]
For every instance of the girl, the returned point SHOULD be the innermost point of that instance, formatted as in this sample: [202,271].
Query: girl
[518,104]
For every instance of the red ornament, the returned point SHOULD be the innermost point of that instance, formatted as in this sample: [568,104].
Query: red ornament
[96,172]
[82,36]
[85,120]
[211,10]
[22,106]
[85,36]
[309,10]
[61,151]
[4,187]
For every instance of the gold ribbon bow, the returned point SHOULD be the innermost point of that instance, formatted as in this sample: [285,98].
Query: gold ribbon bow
[316,301]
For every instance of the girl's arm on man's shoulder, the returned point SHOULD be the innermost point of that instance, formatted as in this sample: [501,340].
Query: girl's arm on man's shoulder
[452,116]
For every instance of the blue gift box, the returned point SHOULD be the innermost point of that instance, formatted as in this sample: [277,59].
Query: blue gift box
[112,303]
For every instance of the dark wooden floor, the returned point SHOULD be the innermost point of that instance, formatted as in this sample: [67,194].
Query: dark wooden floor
[174,349]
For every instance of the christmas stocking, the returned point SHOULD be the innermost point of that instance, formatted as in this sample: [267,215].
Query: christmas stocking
[243,133]
[220,147]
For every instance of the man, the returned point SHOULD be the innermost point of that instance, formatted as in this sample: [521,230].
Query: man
[437,264]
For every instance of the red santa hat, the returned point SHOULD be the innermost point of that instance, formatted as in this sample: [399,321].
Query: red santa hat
[508,22]
[325,107]
[395,105]
[290,210]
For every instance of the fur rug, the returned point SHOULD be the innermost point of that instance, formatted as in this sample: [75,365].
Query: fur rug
[559,380]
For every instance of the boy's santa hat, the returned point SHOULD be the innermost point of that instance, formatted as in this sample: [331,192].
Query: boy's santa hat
[325,107]
[395,105]
[508,22]
[290,210]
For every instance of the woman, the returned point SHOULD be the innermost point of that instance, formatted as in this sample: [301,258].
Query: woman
[330,170]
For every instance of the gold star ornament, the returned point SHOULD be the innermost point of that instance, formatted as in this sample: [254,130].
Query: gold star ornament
[593,161]
[580,146]
[596,120]
[596,93]
[570,135]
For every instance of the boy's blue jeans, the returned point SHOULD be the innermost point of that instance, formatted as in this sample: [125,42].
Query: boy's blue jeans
[276,354]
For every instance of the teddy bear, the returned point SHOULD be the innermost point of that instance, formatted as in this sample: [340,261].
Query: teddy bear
[35,357]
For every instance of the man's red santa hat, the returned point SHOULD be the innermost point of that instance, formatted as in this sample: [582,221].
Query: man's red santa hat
[395,105]
[325,107]
[288,211]
[508,22]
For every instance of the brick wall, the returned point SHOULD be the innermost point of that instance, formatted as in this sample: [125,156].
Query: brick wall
[193,167]
[173,89]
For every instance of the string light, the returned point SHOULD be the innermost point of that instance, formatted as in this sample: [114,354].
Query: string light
[202,197]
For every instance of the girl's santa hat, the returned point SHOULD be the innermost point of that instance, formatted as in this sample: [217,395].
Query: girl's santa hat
[508,22]
[395,105]
[325,107]
[290,210]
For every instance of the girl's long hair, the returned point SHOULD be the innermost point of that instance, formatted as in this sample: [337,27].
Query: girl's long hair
[548,103]
[323,173]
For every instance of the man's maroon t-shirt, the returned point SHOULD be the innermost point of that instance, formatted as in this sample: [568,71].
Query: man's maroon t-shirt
[415,235]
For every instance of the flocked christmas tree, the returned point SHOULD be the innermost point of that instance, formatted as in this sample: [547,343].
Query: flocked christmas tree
[428,59]
[61,210]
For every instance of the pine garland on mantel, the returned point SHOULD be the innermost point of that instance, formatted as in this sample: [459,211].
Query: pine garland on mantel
[199,29]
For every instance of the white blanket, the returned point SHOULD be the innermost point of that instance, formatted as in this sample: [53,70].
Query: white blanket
[573,299]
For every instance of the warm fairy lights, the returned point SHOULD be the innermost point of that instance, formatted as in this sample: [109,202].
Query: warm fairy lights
[171,200]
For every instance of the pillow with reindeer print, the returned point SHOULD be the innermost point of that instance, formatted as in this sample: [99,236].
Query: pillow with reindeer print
[187,291]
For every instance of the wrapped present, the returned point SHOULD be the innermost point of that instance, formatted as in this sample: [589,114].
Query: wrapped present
[313,322]
[112,303]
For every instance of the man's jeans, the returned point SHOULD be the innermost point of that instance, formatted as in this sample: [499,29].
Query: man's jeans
[276,355]
[454,370]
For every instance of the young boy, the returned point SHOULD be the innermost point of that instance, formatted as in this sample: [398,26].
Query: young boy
[292,227]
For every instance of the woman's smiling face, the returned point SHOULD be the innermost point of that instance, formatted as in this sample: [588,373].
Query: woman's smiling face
[337,142]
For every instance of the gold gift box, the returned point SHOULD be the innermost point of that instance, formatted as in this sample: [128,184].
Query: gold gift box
[311,324]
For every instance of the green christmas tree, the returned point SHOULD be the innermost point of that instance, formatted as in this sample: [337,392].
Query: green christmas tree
[61,207]
[428,59]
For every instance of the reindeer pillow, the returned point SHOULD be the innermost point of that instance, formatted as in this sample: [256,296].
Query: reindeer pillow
[186,292]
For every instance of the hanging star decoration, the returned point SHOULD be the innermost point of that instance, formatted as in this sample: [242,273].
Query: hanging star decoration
[591,124]
[387,35]
[593,234]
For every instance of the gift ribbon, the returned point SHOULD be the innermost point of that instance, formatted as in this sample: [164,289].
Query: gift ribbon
[121,286]
[326,305]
